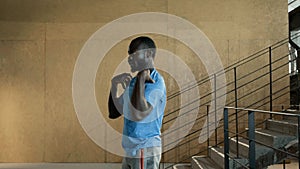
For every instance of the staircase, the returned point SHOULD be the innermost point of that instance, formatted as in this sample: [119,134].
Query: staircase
[245,88]
[276,135]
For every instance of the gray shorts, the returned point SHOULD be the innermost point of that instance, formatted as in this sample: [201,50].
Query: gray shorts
[146,158]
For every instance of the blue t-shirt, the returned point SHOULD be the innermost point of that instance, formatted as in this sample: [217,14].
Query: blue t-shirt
[144,133]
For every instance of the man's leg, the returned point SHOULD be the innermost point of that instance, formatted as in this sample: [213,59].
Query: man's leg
[147,158]
[125,164]
[152,158]
[133,162]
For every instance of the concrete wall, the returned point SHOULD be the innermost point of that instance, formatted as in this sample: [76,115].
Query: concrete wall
[41,40]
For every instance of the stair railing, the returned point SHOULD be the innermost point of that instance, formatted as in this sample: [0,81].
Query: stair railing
[237,98]
[251,136]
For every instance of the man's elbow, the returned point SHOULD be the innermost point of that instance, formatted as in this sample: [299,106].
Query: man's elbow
[113,111]
[114,114]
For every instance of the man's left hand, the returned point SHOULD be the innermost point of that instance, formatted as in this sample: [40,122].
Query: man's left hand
[144,76]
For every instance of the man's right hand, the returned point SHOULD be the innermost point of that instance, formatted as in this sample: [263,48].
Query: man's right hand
[123,79]
[115,108]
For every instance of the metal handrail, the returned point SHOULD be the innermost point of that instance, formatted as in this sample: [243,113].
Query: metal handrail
[264,111]
[227,69]
[251,135]
[239,63]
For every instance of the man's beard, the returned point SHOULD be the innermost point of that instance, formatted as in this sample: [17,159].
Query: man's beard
[142,66]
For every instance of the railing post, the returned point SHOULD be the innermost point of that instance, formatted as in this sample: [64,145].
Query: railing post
[271,81]
[207,117]
[236,113]
[251,135]
[298,140]
[298,87]
[298,93]
[215,105]
[226,142]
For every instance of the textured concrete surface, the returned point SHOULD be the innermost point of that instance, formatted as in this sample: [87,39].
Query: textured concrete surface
[290,165]
[202,162]
[60,166]
[182,166]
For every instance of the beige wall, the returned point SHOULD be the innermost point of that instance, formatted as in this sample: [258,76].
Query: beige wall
[41,40]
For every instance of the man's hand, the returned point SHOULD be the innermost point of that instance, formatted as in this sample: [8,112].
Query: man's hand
[123,79]
[114,104]
[144,76]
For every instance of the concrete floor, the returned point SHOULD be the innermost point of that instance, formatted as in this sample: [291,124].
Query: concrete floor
[60,165]
[293,164]
[63,166]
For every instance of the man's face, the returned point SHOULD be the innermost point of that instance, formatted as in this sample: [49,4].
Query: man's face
[140,60]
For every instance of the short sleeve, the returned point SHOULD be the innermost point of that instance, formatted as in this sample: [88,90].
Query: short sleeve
[154,96]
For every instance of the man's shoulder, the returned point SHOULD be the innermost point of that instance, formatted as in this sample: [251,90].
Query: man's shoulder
[156,75]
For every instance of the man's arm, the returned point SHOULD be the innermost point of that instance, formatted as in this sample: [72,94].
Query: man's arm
[140,107]
[115,106]
[113,111]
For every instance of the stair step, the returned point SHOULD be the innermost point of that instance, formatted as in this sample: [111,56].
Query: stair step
[204,162]
[217,155]
[273,138]
[243,146]
[291,118]
[182,166]
[286,127]
[293,111]
[265,156]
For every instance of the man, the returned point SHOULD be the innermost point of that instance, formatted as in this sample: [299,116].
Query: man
[142,105]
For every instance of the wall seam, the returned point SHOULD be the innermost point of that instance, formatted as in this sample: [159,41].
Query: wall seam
[45,89]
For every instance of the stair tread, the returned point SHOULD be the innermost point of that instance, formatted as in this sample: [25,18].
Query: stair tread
[206,162]
[221,152]
[293,111]
[259,149]
[292,121]
[283,126]
[284,121]
[235,162]
[271,133]
[245,142]
[273,138]
[182,166]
